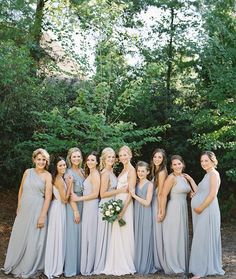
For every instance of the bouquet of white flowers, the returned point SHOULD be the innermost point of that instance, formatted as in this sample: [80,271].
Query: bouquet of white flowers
[111,210]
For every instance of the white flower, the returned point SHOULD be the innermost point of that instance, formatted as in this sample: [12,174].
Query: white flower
[117,208]
[107,213]
[110,206]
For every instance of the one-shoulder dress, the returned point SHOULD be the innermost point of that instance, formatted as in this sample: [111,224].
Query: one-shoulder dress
[25,254]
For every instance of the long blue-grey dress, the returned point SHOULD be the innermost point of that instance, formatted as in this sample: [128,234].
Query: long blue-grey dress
[158,255]
[175,229]
[143,233]
[103,232]
[73,230]
[89,231]
[205,256]
[25,254]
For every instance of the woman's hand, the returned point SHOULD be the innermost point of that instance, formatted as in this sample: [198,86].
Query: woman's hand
[123,189]
[41,222]
[160,217]
[76,216]
[69,180]
[120,215]
[74,197]
[198,210]
[17,210]
[192,194]
[132,192]
[188,177]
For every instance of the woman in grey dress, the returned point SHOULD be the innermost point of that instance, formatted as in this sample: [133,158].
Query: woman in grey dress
[90,213]
[158,174]
[73,214]
[143,232]
[205,257]
[25,254]
[108,191]
[175,223]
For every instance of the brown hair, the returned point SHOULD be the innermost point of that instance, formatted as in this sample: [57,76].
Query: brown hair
[86,168]
[154,171]
[142,164]
[177,157]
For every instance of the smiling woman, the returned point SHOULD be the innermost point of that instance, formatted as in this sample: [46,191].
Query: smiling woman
[25,254]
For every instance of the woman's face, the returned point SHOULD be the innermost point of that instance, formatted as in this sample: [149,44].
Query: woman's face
[157,159]
[40,162]
[177,166]
[142,172]
[91,162]
[76,158]
[124,157]
[206,163]
[110,159]
[61,167]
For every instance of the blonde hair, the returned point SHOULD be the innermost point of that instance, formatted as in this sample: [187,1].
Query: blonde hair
[211,155]
[69,154]
[44,153]
[126,149]
[105,152]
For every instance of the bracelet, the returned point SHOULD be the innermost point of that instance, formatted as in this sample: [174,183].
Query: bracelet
[76,211]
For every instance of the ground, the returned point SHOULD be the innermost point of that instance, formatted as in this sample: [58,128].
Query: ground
[8,208]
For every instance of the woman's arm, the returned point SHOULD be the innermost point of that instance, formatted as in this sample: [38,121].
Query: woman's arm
[191,181]
[95,181]
[64,194]
[105,180]
[47,200]
[21,190]
[169,183]
[161,180]
[131,186]
[214,186]
[76,212]
[145,202]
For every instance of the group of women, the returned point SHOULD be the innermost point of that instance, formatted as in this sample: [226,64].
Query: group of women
[59,227]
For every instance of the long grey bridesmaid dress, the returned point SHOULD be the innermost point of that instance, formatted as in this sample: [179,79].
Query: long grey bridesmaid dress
[158,255]
[103,232]
[25,254]
[73,230]
[89,231]
[143,234]
[205,256]
[175,229]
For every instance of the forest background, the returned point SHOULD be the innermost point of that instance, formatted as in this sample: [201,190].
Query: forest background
[171,84]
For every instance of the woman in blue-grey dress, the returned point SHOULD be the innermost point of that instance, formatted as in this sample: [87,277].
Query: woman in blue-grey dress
[108,191]
[90,213]
[26,249]
[158,174]
[205,257]
[73,214]
[143,232]
[175,215]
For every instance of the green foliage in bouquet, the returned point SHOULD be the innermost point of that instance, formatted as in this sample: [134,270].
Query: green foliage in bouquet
[110,211]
